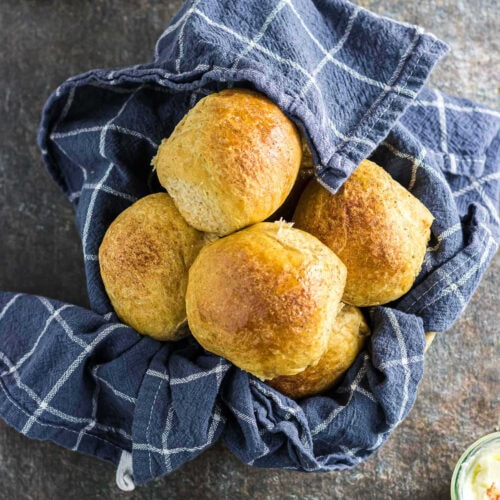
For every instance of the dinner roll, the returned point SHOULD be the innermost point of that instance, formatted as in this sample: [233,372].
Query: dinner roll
[144,259]
[265,298]
[346,340]
[376,227]
[230,162]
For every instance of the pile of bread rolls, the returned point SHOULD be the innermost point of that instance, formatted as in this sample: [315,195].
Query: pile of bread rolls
[278,299]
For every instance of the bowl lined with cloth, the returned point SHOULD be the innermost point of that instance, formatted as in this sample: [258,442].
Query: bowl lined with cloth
[353,84]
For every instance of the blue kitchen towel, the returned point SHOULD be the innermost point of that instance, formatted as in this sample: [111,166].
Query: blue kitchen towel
[353,82]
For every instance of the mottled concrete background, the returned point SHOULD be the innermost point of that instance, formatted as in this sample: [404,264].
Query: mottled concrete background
[44,42]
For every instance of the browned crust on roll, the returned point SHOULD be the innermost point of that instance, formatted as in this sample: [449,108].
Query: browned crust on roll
[144,260]
[346,340]
[230,162]
[376,227]
[265,298]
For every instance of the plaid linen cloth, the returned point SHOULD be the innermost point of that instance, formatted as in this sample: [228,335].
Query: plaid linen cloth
[354,83]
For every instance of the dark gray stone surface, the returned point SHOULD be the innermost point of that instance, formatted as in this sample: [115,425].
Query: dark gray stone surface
[44,42]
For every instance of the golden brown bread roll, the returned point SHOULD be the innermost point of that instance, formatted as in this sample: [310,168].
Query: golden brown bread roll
[230,162]
[144,259]
[376,227]
[265,298]
[346,340]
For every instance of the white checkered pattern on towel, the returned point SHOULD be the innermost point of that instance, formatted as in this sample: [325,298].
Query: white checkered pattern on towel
[353,82]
